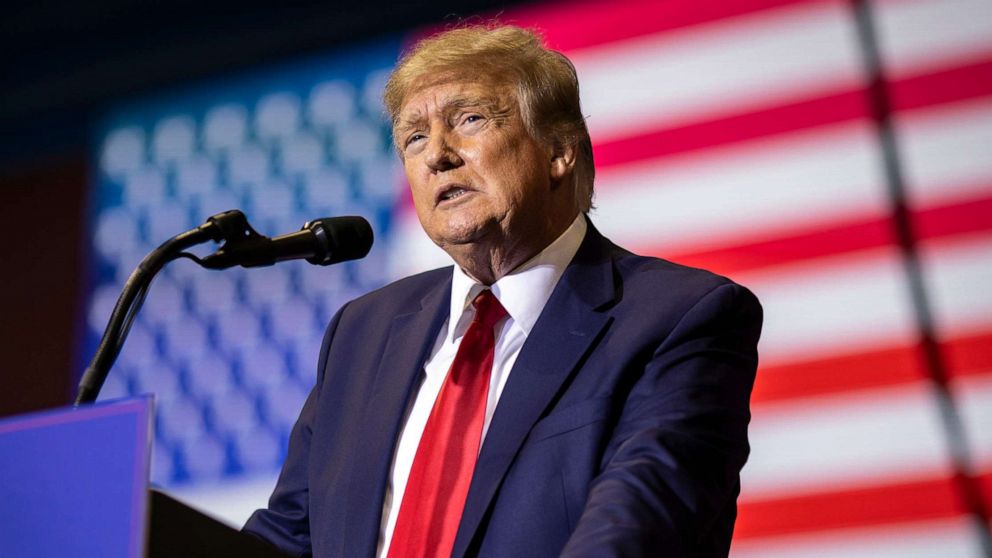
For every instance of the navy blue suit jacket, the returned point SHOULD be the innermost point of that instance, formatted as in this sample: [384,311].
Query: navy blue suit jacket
[621,431]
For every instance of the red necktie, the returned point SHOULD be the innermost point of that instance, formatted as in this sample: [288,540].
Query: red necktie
[442,468]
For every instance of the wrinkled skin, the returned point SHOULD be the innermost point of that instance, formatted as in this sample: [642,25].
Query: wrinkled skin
[486,191]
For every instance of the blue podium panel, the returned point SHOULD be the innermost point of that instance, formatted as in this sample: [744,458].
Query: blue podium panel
[74,481]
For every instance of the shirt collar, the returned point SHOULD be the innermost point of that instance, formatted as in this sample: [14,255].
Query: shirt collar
[524,291]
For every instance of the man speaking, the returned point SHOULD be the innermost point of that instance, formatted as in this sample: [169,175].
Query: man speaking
[551,393]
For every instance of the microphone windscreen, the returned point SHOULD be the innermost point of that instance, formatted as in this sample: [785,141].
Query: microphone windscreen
[347,238]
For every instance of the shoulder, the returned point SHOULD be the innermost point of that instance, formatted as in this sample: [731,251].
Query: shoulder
[403,295]
[655,282]
[671,304]
[652,272]
[370,316]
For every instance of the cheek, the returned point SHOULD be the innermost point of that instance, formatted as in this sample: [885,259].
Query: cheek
[473,155]
[502,163]
[523,174]
[419,189]
[414,177]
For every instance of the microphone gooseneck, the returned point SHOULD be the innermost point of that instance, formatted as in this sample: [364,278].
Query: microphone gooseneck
[321,242]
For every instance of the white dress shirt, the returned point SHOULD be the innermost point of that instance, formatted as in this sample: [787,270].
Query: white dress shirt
[523,293]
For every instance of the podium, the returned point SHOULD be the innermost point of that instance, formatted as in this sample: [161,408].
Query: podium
[74,482]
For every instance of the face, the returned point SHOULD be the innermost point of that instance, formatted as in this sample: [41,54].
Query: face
[477,176]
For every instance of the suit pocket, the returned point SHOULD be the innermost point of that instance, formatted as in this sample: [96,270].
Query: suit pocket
[571,418]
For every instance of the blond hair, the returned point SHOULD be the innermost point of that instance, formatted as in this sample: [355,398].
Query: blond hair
[547,86]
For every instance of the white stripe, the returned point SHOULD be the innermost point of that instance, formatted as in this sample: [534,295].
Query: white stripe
[759,189]
[945,539]
[974,398]
[945,152]
[844,441]
[920,36]
[958,274]
[720,68]
[841,304]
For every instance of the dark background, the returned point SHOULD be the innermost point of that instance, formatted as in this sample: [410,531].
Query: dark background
[63,63]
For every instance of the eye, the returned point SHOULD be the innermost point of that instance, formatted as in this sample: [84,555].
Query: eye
[471,118]
[414,138]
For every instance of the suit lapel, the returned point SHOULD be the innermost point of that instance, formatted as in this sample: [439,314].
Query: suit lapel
[411,337]
[567,328]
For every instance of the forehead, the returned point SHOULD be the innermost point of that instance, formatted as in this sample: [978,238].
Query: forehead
[443,96]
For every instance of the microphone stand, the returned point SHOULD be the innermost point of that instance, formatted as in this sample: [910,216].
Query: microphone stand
[230,226]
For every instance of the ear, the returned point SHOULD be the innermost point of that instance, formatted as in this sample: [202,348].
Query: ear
[562,161]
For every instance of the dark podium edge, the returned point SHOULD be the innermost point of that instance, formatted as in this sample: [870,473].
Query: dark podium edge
[176,530]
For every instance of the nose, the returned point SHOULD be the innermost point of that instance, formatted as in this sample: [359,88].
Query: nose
[441,154]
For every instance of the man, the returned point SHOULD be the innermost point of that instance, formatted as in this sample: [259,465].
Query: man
[551,394]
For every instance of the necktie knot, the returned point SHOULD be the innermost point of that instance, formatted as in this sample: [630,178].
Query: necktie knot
[488,310]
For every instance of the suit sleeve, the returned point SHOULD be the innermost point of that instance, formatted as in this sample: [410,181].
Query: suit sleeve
[669,483]
[286,521]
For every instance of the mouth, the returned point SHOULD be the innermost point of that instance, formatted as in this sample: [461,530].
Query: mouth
[450,193]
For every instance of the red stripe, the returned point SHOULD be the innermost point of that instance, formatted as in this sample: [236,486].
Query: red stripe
[946,86]
[877,505]
[960,218]
[857,371]
[832,239]
[762,123]
[967,355]
[965,81]
[837,238]
[569,26]
[985,487]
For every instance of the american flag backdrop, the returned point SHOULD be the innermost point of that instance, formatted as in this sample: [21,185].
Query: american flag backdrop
[764,140]
[833,156]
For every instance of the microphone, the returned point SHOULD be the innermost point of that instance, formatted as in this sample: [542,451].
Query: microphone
[321,242]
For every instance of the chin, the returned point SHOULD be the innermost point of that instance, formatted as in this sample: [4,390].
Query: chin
[460,235]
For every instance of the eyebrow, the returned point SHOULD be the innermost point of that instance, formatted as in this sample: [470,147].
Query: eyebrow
[417,118]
